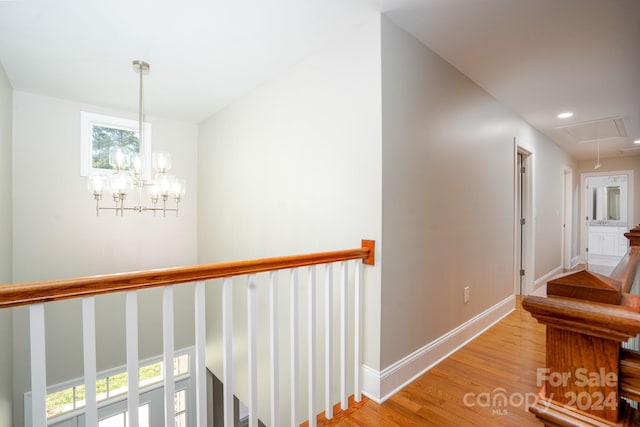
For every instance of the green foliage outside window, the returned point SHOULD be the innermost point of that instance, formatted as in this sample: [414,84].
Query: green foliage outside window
[103,138]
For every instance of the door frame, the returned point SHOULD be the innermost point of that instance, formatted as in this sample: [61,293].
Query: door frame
[567,217]
[584,209]
[527,241]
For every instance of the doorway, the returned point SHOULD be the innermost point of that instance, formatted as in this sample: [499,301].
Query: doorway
[523,244]
[607,212]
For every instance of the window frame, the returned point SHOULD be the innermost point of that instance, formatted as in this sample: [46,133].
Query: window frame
[183,380]
[89,120]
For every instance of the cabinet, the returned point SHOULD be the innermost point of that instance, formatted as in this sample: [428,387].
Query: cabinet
[607,240]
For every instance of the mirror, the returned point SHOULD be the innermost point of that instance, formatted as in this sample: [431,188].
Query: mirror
[607,202]
[613,203]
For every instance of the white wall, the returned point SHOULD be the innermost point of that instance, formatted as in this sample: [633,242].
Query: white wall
[448,167]
[57,234]
[294,167]
[548,187]
[6,316]
[447,197]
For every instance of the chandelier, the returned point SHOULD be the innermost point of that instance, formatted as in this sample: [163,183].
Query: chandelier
[128,175]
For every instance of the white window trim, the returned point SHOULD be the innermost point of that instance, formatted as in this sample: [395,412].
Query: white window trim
[183,382]
[87,120]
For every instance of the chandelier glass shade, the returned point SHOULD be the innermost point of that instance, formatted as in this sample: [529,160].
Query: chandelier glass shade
[127,175]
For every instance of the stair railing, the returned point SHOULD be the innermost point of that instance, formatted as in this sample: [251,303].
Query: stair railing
[36,295]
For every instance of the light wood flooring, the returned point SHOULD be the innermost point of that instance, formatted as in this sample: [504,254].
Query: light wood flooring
[504,359]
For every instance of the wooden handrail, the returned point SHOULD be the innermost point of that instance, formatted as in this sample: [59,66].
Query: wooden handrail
[615,322]
[625,270]
[54,290]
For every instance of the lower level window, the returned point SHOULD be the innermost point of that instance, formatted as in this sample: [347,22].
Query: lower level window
[73,398]
[120,420]
[181,408]
[65,403]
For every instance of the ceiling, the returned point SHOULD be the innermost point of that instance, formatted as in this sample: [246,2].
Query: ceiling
[544,57]
[538,57]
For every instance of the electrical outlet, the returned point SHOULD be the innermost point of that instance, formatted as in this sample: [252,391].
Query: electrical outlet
[466,294]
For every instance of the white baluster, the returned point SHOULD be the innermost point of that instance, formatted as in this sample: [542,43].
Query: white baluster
[38,365]
[200,362]
[357,327]
[344,398]
[131,327]
[89,356]
[252,351]
[293,307]
[328,363]
[227,351]
[275,344]
[311,308]
[168,352]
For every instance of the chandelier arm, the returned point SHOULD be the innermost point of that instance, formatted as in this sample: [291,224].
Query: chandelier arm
[120,208]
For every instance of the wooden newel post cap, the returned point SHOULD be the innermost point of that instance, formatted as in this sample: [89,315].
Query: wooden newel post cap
[587,286]
[634,236]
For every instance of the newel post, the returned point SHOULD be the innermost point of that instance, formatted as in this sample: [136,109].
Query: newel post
[634,236]
[586,321]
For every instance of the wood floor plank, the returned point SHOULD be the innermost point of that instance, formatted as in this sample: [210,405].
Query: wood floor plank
[503,360]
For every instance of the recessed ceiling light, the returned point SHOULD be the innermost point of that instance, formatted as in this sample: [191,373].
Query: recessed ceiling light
[565,115]
[637,141]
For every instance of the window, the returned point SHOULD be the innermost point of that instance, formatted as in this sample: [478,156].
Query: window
[73,398]
[181,408]
[120,419]
[100,133]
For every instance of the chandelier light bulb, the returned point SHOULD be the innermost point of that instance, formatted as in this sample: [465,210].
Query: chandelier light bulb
[119,158]
[164,182]
[136,166]
[121,183]
[178,189]
[97,184]
[161,161]
[154,192]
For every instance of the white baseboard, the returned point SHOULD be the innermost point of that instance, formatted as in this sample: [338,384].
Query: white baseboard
[544,279]
[380,386]
[576,260]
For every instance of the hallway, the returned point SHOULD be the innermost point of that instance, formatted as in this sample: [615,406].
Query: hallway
[501,362]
